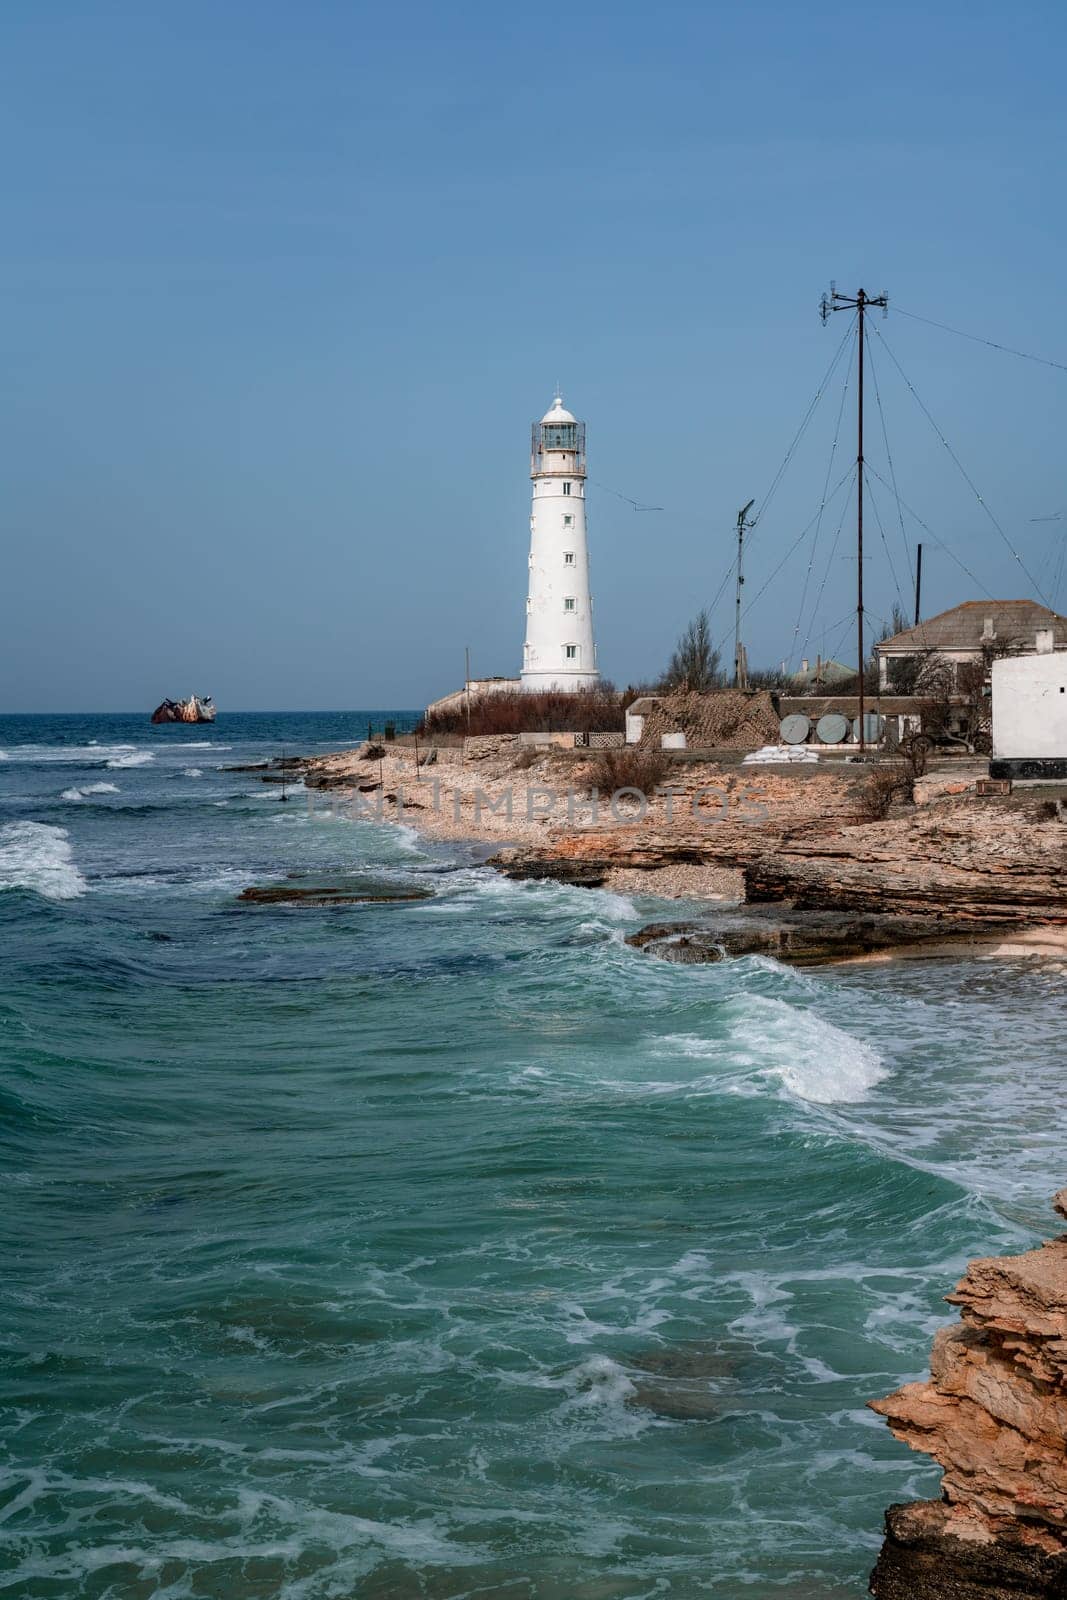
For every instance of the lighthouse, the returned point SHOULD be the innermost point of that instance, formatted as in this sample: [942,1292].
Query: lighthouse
[559,652]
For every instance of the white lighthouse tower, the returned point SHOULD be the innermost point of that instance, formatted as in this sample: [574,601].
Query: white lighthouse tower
[559,651]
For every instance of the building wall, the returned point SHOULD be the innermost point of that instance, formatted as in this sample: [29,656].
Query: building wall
[550,627]
[1030,706]
[959,658]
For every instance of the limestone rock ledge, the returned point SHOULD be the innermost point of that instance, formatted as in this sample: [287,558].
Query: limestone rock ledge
[994,1415]
[956,861]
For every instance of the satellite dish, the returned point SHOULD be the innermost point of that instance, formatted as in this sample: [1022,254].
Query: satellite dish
[873,727]
[832,728]
[795,728]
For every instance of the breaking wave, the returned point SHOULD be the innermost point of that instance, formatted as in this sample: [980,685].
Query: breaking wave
[37,856]
[810,1057]
[89,788]
[134,758]
[770,1041]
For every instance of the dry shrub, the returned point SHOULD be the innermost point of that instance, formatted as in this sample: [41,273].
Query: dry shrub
[527,757]
[632,767]
[513,711]
[886,787]
[915,757]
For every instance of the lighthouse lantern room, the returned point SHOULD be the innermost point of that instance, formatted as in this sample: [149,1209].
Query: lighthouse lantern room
[559,652]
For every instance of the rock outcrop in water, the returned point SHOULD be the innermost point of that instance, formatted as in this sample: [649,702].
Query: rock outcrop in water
[994,1414]
[810,938]
[344,892]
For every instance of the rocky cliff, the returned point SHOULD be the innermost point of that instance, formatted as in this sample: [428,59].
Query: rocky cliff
[994,1415]
[965,860]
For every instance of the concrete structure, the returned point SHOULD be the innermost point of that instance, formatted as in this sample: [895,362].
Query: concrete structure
[974,632]
[559,652]
[1030,715]
[477,689]
[635,718]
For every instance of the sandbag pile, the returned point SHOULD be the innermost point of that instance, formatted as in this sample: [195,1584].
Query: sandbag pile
[769,755]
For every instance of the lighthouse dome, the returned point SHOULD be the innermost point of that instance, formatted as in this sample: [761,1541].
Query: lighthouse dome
[558,413]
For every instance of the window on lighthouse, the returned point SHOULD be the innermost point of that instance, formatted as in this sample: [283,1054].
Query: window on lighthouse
[568,521]
[570,652]
[566,488]
[568,558]
[568,604]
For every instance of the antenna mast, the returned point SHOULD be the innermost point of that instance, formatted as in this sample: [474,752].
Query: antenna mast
[858,303]
[740,666]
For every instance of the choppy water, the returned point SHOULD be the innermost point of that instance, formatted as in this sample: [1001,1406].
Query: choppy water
[452,1248]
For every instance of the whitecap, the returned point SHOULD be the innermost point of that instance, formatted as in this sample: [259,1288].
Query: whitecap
[135,758]
[89,788]
[65,754]
[809,1056]
[600,1381]
[34,855]
[192,772]
[772,1041]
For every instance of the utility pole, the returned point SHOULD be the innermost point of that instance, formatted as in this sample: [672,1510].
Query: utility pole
[918,580]
[742,524]
[858,303]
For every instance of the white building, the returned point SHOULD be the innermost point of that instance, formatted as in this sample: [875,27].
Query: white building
[970,634]
[1030,713]
[559,652]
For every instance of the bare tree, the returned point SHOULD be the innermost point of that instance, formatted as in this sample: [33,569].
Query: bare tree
[767,678]
[695,664]
[898,623]
[935,684]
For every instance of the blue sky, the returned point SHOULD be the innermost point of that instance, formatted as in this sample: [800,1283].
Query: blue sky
[284,286]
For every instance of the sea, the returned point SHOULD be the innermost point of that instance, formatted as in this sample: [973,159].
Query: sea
[447,1248]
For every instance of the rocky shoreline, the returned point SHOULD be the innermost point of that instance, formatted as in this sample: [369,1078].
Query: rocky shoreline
[958,860]
[950,874]
[798,871]
[994,1415]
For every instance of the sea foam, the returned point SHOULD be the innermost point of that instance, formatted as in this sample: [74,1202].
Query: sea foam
[89,788]
[36,856]
[134,758]
[809,1056]
[85,755]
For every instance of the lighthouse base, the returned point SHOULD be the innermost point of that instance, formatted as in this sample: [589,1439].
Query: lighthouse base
[558,682]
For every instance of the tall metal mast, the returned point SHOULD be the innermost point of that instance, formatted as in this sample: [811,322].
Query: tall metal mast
[858,303]
[742,524]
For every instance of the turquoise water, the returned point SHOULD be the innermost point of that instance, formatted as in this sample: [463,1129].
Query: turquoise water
[452,1248]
